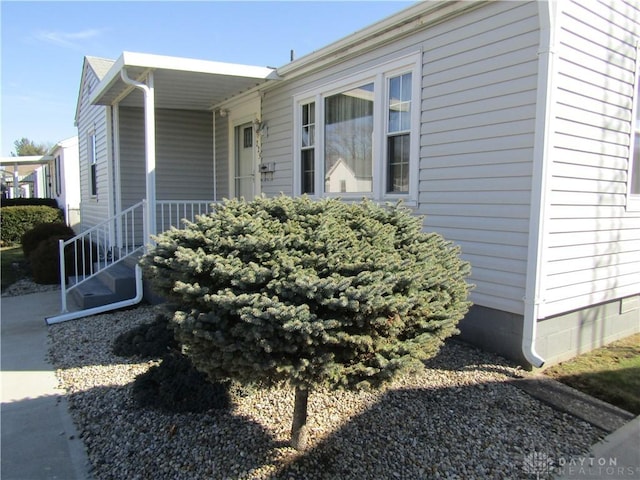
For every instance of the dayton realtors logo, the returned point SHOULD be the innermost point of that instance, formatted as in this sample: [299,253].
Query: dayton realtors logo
[544,466]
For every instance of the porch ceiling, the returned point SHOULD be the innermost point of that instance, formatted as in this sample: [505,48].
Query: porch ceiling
[24,165]
[179,83]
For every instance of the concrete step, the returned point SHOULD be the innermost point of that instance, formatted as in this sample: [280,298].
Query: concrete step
[114,284]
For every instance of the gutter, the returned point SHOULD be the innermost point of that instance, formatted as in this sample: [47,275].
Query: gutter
[543,147]
[408,21]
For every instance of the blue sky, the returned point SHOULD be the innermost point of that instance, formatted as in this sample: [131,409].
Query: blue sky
[43,45]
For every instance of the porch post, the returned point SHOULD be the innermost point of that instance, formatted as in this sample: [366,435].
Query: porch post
[16,181]
[150,154]
[149,148]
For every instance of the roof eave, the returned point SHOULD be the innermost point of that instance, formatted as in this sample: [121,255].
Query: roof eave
[158,62]
[405,22]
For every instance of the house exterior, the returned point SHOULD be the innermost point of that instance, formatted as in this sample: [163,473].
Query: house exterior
[63,179]
[512,127]
[53,175]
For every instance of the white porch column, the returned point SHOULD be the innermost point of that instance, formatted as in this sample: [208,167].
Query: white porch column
[16,181]
[149,149]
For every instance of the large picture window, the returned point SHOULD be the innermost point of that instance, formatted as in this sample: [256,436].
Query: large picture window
[361,137]
[348,141]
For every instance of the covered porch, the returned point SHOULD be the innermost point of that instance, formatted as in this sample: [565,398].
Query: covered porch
[173,142]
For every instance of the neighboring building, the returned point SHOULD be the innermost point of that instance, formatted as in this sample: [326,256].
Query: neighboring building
[63,179]
[53,175]
[508,125]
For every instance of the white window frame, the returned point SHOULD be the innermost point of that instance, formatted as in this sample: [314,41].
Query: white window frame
[379,76]
[633,199]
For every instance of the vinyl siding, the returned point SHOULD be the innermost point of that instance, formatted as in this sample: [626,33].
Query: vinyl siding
[592,252]
[184,155]
[478,115]
[94,209]
[477,124]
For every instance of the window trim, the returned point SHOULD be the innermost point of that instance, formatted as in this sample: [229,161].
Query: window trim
[633,199]
[380,76]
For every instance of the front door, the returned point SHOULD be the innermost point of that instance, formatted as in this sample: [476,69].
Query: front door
[244,174]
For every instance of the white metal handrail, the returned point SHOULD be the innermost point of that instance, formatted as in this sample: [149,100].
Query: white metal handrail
[118,238]
[100,247]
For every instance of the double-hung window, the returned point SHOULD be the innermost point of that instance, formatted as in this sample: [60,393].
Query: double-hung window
[360,137]
[92,158]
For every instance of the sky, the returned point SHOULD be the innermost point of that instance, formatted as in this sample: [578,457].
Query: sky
[43,45]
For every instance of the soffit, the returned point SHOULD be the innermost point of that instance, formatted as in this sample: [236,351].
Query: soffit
[179,87]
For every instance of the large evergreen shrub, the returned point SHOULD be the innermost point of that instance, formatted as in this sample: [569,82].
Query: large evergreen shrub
[330,293]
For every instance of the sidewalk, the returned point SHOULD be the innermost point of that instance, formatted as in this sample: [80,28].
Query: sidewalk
[39,439]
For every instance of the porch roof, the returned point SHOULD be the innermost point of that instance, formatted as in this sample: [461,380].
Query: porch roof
[24,165]
[179,83]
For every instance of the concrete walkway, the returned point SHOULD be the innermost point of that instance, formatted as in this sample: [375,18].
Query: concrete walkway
[39,439]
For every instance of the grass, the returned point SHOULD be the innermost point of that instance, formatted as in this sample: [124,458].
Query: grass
[13,265]
[610,373]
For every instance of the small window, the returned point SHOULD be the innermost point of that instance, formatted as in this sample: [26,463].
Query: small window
[248,137]
[58,175]
[93,163]
[307,148]
[399,134]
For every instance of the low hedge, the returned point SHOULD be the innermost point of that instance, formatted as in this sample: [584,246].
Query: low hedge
[16,221]
[24,202]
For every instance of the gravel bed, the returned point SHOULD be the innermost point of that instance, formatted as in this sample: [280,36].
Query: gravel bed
[26,286]
[460,419]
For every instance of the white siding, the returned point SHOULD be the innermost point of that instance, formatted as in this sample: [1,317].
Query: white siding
[184,155]
[478,114]
[478,109]
[93,118]
[592,242]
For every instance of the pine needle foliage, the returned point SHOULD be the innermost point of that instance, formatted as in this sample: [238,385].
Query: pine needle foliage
[313,292]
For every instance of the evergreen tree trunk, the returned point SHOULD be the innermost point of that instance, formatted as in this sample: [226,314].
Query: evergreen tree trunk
[299,427]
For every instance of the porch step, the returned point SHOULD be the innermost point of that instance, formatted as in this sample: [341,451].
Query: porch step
[114,284]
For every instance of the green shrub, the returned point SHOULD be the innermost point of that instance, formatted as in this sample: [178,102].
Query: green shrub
[21,202]
[45,260]
[42,231]
[16,221]
[316,293]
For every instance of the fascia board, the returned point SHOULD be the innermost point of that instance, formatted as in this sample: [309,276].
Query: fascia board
[419,16]
[160,62]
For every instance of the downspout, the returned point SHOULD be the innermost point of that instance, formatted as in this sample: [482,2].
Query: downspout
[149,149]
[215,181]
[539,184]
